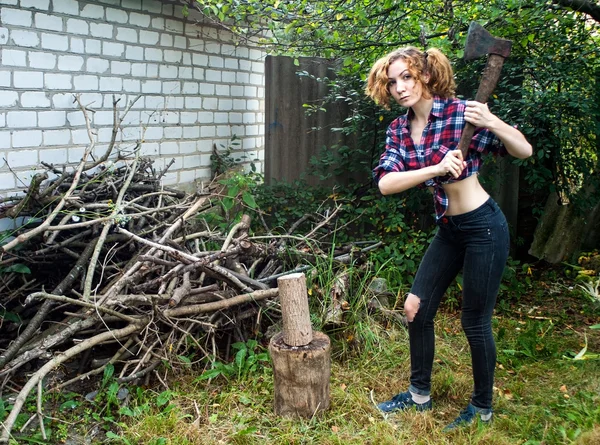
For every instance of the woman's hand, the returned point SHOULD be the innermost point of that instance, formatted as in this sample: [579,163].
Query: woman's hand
[479,114]
[452,164]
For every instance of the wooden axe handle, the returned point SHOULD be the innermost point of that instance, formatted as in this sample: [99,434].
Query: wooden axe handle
[490,77]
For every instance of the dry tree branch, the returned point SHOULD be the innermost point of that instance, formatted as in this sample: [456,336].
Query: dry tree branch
[56,361]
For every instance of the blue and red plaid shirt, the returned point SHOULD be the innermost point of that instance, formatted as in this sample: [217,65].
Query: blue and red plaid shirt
[442,134]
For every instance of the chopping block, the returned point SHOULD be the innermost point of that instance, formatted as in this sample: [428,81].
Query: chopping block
[301,357]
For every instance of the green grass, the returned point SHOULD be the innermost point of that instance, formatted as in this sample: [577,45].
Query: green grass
[541,397]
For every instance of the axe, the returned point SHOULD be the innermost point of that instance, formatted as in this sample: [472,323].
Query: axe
[479,43]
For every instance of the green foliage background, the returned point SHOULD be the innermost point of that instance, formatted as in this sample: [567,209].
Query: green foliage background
[550,85]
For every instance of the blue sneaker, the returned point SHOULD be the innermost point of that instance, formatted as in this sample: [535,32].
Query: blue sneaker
[469,415]
[401,402]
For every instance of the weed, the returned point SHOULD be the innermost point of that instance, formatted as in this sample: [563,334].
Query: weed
[249,358]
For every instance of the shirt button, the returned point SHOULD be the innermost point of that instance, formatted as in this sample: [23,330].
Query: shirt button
[445,220]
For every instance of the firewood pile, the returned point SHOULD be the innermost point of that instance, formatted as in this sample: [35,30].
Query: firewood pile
[104,266]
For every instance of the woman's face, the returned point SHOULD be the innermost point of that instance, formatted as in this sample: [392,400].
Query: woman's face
[404,87]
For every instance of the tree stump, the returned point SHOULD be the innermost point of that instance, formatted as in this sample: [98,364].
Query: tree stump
[301,369]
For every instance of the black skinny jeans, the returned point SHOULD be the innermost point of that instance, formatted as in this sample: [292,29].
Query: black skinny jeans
[477,242]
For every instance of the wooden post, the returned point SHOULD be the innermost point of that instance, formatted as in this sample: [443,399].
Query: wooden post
[301,357]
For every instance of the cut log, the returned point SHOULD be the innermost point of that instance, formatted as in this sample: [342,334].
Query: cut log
[301,376]
[293,297]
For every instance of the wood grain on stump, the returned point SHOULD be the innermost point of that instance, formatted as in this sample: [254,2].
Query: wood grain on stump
[297,330]
[302,375]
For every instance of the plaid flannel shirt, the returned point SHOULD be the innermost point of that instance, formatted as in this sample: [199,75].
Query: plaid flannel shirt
[441,134]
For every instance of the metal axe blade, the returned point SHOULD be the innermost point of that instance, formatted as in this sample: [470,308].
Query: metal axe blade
[481,43]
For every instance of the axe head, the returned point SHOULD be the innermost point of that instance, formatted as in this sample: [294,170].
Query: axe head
[480,43]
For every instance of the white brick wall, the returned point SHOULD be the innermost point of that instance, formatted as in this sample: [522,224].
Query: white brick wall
[197,86]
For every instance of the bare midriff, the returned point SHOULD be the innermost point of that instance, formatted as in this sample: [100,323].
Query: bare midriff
[464,196]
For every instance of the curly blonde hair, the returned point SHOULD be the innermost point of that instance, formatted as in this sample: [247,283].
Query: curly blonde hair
[432,63]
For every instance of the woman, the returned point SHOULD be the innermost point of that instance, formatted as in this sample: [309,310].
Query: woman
[421,150]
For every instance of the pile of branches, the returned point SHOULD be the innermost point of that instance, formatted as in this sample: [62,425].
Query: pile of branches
[122,264]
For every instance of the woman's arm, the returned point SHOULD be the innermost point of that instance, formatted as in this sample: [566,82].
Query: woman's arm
[396,182]
[479,115]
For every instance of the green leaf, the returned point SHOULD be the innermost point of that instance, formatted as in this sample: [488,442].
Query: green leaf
[69,404]
[164,397]
[596,326]
[210,374]
[18,268]
[249,200]
[227,203]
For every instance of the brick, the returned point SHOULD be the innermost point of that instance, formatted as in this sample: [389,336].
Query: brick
[154,54]
[139,20]
[249,118]
[190,88]
[76,26]
[120,68]
[256,79]
[193,103]
[232,64]
[209,103]
[167,10]
[7,180]
[76,119]
[175,26]
[63,101]
[138,69]
[5,78]
[221,118]
[176,102]
[149,149]
[213,76]
[113,49]
[101,30]
[170,178]
[149,37]
[239,104]
[70,63]
[186,59]
[25,38]
[243,78]
[13,57]
[127,35]
[153,133]
[21,119]
[92,11]
[8,98]
[216,62]
[28,79]
[155,102]
[253,104]
[237,91]
[223,131]
[172,88]
[169,148]
[50,119]
[228,77]
[93,46]
[22,158]
[200,59]
[27,138]
[54,155]
[187,147]
[3,119]
[55,137]
[245,65]
[173,132]
[185,73]
[180,42]
[189,117]
[168,72]
[55,42]
[198,74]
[225,104]
[196,45]
[116,15]
[3,35]
[170,118]
[95,65]
[76,153]
[191,132]
[151,87]
[166,40]
[208,131]
[57,81]
[222,90]
[132,4]
[206,117]
[5,139]
[9,2]
[158,23]
[235,118]
[171,56]
[48,22]
[132,86]
[85,83]
[152,6]
[77,46]
[111,84]
[66,7]
[212,47]
[134,53]
[252,130]
[17,17]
